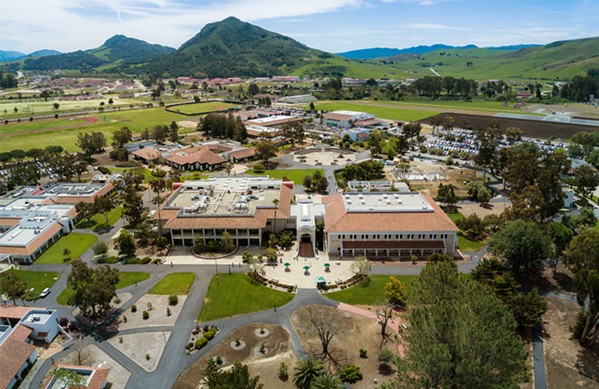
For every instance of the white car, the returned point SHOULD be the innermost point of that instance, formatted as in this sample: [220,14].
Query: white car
[45,292]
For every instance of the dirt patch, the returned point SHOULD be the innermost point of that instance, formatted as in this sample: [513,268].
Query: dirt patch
[568,365]
[89,120]
[358,332]
[530,128]
[458,177]
[482,211]
[91,355]
[277,350]
[187,124]
[158,313]
[147,356]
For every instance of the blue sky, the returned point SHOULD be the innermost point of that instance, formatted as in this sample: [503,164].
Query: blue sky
[330,25]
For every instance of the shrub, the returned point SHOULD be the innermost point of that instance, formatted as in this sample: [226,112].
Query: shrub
[350,374]
[206,328]
[200,343]
[145,315]
[283,372]
[104,170]
[219,360]
[63,322]
[117,300]
[363,353]
[134,308]
[147,357]
[168,311]
[209,334]
[262,348]
[73,326]
[120,339]
[189,346]
[149,305]
[124,319]
[173,299]
[386,356]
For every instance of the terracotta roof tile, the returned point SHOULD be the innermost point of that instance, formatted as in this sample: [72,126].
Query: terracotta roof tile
[13,355]
[203,156]
[16,312]
[245,153]
[147,153]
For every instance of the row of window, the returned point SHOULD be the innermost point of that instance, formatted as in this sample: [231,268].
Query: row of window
[393,236]
[217,232]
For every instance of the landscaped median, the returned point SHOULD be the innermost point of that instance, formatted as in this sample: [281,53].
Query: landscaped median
[371,291]
[125,279]
[237,294]
[174,283]
[77,244]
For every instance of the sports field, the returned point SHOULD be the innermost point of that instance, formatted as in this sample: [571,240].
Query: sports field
[41,133]
[201,108]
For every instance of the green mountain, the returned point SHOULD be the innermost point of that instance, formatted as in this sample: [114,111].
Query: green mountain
[118,52]
[235,48]
[10,55]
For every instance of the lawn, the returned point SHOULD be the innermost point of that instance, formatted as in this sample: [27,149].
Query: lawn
[371,291]
[99,220]
[384,112]
[174,283]
[465,244]
[236,294]
[126,278]
[147,173]
[37,280]
[77,243]
[295,175]
[201,108]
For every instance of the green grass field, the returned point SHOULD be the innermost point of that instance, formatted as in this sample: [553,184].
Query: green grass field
[37,281]
[99,219]
[77,243]
[371,291]
[236,294]
[383,112]
[465,244]
[126,278]
[295,175]
[174,283]
[201,108]
[30,107]
[147,173]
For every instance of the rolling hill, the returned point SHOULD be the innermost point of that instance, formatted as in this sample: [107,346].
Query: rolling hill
[117,52]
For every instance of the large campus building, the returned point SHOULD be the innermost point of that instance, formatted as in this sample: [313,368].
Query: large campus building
[33,218]
[245,207]
[375,224]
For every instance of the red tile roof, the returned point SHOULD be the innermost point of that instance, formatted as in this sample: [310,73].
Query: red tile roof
[338,220]
[245,153]
[16,312]
[147,153]
[203,156]
[14,353]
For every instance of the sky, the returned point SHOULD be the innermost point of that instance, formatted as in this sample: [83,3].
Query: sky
[329,25]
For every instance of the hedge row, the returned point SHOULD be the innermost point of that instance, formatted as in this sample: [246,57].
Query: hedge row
[266,282]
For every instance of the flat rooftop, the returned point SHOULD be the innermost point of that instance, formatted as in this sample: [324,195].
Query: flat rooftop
[37,317]
[35,220]
[386,202]
[225,196]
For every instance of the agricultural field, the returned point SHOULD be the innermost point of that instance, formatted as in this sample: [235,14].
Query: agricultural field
[202,108]
[26,108]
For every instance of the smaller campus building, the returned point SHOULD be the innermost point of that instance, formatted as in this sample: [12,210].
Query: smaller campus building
[92,377]
[387,224]
[346,119]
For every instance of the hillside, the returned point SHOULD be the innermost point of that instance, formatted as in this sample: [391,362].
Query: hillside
[235,48]
[118,51]
[378,52]
[10,55]
[554,61]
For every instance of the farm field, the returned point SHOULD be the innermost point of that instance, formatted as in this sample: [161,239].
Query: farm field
[201,108]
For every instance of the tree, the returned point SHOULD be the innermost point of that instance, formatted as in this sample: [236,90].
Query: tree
[395,292]
[460,335]
[527,205]
[360,265]
[94,289]
[91,143]
[66,253]
[121,137]
[446,194]
[271,254]
[582,258]
[326,326]
[100,248]
[85,210]
[12,286]
[586,218]
[236,377]
[586,179]
[133,206]
[306,372]
[560,236]
[173,134]
[294,131]
[265,150]
[227,244]
[69,378]
[253,89]
[126,244]
[56,106]
[521,244]
[383,316]
[350,374]
[159,133]
[327,381]
[103,204]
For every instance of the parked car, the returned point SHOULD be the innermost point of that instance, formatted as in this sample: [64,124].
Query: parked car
[45,292]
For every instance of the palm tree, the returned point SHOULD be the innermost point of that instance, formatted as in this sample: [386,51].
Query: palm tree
[327,381]
[274,223]
[306,372]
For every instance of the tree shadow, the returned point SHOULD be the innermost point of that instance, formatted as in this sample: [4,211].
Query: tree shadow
[564,281]
[588,362]
[386,370]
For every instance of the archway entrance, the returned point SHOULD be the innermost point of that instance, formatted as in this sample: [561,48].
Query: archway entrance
[306,248]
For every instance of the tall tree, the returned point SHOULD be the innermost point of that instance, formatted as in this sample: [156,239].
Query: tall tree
[12,286]
[103,205]
[133,207]
[94,288]
[265,150]
[460,335]
[582,258]
[126,244]
[586,179]
[521,244]
[121,137]
[91,143]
